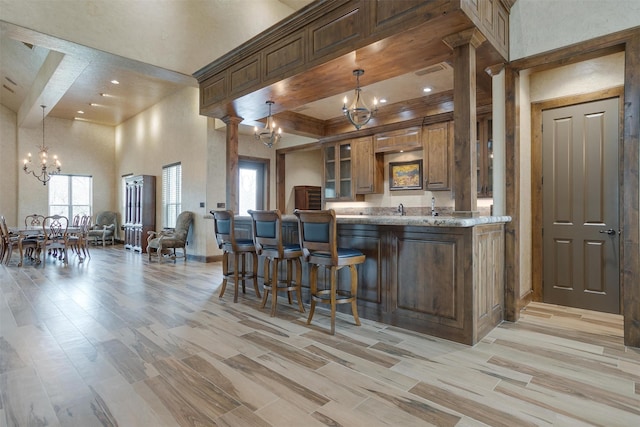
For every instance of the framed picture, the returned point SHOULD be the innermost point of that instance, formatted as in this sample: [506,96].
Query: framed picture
[405,175]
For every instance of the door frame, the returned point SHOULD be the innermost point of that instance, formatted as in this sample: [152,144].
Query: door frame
[536,177]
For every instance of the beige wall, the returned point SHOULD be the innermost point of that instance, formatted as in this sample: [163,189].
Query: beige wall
[83,148]
[171,131]
[301,168]
[8,165]
[537,26]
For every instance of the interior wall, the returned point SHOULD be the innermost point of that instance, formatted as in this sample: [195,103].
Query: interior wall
[537,26]
[526,236]
[9,165]
[83,149]
[301,168]
[170,131]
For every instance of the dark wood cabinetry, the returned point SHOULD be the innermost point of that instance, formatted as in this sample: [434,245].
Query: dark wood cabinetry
[437,142]
[398,140]
[307,197]
[484,149]
[140,211]
[368,167]
[338,173]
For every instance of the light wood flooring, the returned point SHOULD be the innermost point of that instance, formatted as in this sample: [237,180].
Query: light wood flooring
[119,341]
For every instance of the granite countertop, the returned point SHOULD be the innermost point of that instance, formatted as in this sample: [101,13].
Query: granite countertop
[426,221]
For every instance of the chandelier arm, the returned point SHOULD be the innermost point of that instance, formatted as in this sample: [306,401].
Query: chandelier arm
[46,170]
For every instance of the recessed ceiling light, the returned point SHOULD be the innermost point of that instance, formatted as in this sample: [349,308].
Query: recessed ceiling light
[115,82]
[104,94]
[383,100]
[80,112]
[427,89]
[93,104]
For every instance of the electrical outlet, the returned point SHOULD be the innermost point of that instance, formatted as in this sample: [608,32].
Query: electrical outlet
[220,205]
[202,204]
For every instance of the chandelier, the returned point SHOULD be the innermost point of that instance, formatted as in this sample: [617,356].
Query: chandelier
[268,135]
[358,113]
[43,170]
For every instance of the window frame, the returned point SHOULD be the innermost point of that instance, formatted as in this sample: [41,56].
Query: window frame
[171,208]
[69,207]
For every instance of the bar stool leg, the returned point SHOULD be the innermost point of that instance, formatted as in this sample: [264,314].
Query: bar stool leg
[236,259]
[266,285]
[299,283]
[313,288]
[225,272]
[289,279]
[354,290]
[254,273]
[332,295]
[274,286]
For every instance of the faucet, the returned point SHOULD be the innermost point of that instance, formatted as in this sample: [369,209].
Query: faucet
[401,209]
[433,207]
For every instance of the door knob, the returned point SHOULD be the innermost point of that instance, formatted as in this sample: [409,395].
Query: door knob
[610,232]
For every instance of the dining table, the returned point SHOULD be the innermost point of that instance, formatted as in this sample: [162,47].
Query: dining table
[26,231]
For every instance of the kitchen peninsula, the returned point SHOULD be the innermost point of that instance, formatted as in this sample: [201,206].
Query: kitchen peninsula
[438,275]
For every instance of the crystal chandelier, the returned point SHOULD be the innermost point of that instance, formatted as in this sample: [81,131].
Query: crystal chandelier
[358,113]
[43,170]
[268,135]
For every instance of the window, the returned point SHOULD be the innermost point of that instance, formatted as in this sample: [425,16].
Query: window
[70,195]
[171,194]
[251,185]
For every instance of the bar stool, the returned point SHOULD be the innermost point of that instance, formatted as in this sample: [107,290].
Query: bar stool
[267,238]
[319,241]
[240,248]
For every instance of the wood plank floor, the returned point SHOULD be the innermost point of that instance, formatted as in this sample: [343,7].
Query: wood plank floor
[117,341]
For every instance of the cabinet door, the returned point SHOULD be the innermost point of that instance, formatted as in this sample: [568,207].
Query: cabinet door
[330,172]
[437,143]
[368,168]
[338,179]
[345,174]
[398,140]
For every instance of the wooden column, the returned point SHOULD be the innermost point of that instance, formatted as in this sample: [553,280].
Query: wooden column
[630,186]
[464,46]
[232,162]
[512,197]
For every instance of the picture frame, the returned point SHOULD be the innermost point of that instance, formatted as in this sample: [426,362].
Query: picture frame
[405,175]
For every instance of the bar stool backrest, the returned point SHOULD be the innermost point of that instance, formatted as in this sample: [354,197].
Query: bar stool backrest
[266,226]
[317,231]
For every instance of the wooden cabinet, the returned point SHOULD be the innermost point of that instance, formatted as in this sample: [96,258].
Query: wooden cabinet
[437,141]
[398,140]
[307,197]
[484,150]
[368,167]
[338,184]
[140,211]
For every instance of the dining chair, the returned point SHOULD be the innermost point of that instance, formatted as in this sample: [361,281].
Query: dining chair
[12,241]
[240,249]
[318,236]
[78,240]
[266,227]
[55,236]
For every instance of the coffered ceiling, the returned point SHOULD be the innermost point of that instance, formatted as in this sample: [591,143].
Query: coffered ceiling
[65,55]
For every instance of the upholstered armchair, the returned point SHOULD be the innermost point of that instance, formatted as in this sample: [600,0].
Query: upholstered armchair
[164,243]
[104,229]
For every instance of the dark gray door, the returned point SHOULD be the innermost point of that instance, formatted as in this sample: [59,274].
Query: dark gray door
[580,206]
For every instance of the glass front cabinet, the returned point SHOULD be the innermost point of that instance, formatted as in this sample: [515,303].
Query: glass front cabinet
[338,182]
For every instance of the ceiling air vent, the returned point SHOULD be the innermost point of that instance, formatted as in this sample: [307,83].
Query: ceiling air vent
[29,45]
[11,81]
[8,88]
[432,69]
